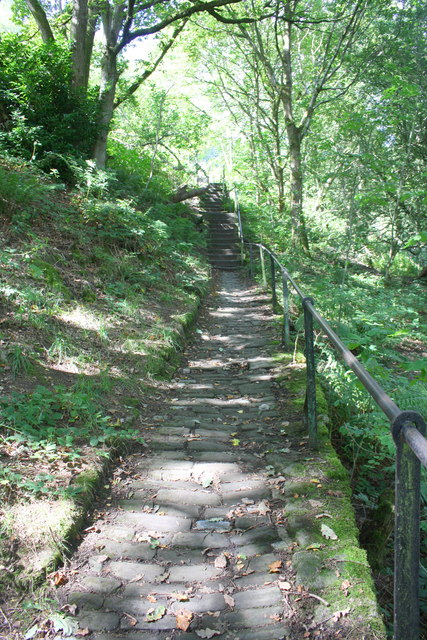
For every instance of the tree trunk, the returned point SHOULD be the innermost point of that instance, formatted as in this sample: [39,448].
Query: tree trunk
[299,231]
[90,38]
[78,43]
[183,193]
[40,17]
[106,105]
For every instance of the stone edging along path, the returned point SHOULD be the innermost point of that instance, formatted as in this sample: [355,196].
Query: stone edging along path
[227,526]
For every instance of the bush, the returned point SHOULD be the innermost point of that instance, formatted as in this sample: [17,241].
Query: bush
[40,113]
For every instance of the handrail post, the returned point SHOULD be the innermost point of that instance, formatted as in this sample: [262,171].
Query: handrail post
[310,398]
[285,332]
[273,282]
[406,541]
[264,276]
[251,261]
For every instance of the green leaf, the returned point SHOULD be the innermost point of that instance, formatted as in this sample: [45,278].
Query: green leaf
[67,625]
[155,614]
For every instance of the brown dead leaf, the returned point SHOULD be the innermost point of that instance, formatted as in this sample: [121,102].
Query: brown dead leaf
[137,578]
[183,619]
[340,614]
[151,598]
[57,578]
[345,586]
[275,566]
[83,632]
[181,597]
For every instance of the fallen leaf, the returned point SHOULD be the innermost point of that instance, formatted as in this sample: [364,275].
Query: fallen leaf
[275,566]
[345,586]
[131,619]
[151,598]
[181,597]
[328,533]
[163,577]
[57,578]
[221,561]
[263,508]
[235,442]
[229,600]
[83,632]
[207,633]
[183,619]
[285,586]
[155,614]
[340,614]
[137,578]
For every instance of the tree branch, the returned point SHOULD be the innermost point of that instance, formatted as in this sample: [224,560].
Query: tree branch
[180,15]
[147,73]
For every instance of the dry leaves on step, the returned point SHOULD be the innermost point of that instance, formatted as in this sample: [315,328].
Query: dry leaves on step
[221,561]
[181,597]
[284,585]
[183,619]
[263,508]
[275,566]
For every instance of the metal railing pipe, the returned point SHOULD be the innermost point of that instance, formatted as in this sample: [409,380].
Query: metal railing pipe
[286,339]
[273,282]
[261,255]
[310,412]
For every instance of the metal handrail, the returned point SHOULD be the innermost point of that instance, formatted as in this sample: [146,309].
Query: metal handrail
[408,429]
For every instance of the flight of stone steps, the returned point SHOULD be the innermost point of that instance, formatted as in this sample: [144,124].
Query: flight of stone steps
[223,235]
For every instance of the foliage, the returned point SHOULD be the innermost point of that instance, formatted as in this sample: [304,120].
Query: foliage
[43,118]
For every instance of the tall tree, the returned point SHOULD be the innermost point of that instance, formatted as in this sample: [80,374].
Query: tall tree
[123,22]
[301,52]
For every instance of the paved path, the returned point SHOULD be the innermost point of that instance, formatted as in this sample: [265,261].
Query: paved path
[193,541]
